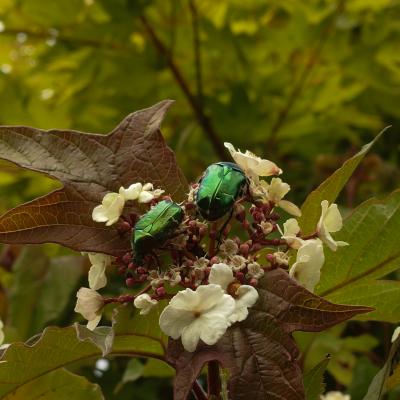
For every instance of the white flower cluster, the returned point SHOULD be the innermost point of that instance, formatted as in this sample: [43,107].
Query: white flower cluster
[215,294]
[113,204]
[310,255]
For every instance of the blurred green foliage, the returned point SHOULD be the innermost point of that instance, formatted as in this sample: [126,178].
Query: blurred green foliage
[304,83]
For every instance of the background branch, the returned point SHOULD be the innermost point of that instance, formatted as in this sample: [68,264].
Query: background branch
[197,109]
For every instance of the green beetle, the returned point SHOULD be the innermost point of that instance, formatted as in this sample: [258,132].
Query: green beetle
[221,185]
[155,227]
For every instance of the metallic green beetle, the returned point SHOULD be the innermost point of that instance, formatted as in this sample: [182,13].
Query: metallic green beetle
[155,227]
[221,185]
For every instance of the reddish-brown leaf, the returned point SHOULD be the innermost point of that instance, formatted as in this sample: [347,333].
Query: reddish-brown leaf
[88,166]
[260,353]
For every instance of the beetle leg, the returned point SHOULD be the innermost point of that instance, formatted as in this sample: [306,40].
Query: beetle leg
[221,231]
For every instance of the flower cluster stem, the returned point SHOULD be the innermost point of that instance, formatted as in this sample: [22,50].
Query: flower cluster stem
[214,381]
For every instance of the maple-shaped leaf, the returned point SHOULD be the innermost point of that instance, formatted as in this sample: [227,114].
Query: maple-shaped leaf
[88,165]
[260,353]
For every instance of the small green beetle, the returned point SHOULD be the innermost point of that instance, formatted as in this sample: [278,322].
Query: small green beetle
[155,227]
[221,185]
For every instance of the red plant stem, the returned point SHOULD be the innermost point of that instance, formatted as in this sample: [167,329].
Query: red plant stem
[213,380]
[126,298]
[198,391]
[211,245]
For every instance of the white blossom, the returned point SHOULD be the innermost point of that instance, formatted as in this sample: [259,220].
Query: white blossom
[245,296]
[229,247]
[110,209]
[266,227]
[335,396]
[89,305]
[396,334]
[254,270]
[144,303]
[281,258]
[290,230]
[194,315]
[330,221]
[309,260]
[142,193]
[252,165]
[173,276]
[274,192]
[97,276]
[237,263]
[1,332]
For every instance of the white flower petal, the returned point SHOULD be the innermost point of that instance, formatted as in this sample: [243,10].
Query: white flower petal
[253,165]
[307,268]
[145,197]
[396,334]
[89,303]
[246,297]
[110,209]
[97,277]
[92,324]
[291,227]
[174,320]
[145,303]
[333,219]
[191,335]
[290,208]
[99,214]
[221,274]
[133,191]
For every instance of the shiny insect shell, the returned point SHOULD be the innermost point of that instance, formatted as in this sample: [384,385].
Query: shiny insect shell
[221,185]
[155,227]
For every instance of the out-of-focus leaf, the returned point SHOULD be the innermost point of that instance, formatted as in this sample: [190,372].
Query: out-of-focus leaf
[133,371]
[349,274]
[363,373]
[89,166]
[57,385]
[313,380]
[41,289]
[260,353]
[134,335]
[330,189]
[388,373]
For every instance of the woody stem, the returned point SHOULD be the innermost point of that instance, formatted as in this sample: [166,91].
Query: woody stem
[214,381]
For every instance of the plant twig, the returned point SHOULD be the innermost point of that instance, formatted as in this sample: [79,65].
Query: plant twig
[202,118]
[214,380]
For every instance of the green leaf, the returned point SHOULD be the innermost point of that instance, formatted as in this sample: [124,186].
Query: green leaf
[134,335]
[382,295]
[330,189]
[349,275]
[314,380]
[390,370]
[57,385]
[133,371]
[41,289]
